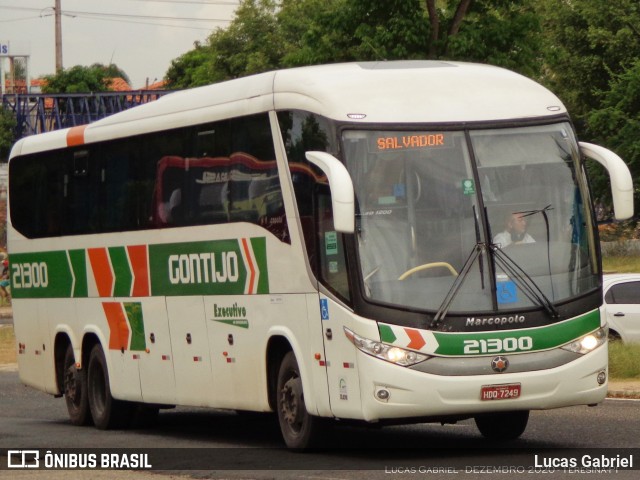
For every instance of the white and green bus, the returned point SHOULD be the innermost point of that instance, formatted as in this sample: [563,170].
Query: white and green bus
[328,243]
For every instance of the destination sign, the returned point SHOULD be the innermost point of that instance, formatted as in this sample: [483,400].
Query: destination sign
[403,141]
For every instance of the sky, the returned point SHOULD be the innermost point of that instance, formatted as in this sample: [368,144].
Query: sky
[140,36]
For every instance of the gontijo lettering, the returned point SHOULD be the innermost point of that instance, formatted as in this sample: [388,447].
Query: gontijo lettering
[203,268]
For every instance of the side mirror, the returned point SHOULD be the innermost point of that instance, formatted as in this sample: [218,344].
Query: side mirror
[621,182]
[341,186]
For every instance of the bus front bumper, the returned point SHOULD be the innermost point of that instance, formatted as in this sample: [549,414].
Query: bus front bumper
[392,392]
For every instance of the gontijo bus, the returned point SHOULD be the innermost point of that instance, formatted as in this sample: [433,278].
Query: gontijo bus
[329,242]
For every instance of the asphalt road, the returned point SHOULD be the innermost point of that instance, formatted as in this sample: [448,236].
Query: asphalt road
[205,443]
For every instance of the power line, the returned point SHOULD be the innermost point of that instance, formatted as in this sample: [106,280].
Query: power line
[208,29]
[121,15]
[19,19]
[192,2]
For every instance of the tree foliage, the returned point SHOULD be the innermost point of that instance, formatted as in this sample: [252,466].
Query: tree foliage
[269,34]
[7,126]
[81,79]
[591,51]
[616,123]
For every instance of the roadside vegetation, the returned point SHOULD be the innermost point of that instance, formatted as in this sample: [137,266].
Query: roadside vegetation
[7,345]
[624,360]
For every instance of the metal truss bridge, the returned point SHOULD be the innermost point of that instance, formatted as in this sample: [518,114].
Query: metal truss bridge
[39,113]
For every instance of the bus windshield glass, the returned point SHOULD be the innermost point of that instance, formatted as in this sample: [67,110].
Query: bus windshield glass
[511,203]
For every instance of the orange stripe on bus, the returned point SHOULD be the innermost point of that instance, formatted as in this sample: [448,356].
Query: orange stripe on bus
[101,268]
[75,136]
[118,328]
[140,268]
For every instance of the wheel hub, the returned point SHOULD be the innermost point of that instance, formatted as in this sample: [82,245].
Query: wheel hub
[71,383]
[292,407]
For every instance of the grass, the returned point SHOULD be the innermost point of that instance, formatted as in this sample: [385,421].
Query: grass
[624,360]
[7,345]
[621,264]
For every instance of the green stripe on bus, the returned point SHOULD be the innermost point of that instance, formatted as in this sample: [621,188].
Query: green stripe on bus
[542,338]
[40,275]
[121,271]
[78,261]
[217,267]
[386,333]
[259,245]
[134,315]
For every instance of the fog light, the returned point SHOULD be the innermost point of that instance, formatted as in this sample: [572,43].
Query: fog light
[602,377]
[383,394]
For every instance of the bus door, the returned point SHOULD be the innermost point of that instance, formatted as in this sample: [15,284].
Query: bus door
[340,356]
[156,370]
[191,355]
[35,364]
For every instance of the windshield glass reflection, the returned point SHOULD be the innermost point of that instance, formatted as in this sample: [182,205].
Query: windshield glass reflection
[420,218]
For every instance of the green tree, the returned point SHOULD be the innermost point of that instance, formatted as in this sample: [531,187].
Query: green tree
[356,30]
[7,126]
[270,34]
[586,44]
[591,50]
[252,43]
[617,123]
[81,79]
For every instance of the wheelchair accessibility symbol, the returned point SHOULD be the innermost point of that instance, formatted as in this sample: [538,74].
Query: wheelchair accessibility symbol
[506,292]
[324,309]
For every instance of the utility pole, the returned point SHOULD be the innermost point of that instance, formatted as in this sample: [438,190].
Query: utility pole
[58,16]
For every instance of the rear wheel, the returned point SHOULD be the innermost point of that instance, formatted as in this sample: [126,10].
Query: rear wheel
[300,430]
[502,426]
[107,412]
[75,390]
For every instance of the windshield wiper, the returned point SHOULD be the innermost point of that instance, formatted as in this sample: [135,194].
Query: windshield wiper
[457,284]
[528,286]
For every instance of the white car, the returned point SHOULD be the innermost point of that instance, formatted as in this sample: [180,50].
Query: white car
[621,306]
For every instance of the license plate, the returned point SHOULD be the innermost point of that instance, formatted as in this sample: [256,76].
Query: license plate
[500,392]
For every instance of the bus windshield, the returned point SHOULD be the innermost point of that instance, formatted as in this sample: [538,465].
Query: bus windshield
[511,203]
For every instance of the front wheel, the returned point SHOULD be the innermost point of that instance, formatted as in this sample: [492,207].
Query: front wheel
[107,412]
[300,430]
[502,426]
[75,390]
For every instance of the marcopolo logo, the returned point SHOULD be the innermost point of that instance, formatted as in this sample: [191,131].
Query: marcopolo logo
[481,322]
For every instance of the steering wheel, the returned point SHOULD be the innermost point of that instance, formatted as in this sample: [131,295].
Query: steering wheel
[427,266]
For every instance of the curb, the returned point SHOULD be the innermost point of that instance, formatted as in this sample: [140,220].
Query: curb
[623,394]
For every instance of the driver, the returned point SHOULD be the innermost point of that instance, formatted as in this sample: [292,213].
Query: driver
[515,231]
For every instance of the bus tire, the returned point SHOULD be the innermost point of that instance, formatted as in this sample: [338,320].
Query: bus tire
[107,412]
[503,425]
[300,430]
[75,390]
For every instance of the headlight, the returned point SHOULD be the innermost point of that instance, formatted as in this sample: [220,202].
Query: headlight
[588,342]
[396,355]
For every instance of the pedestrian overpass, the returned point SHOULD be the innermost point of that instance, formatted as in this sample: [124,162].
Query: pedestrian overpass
[41,112]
